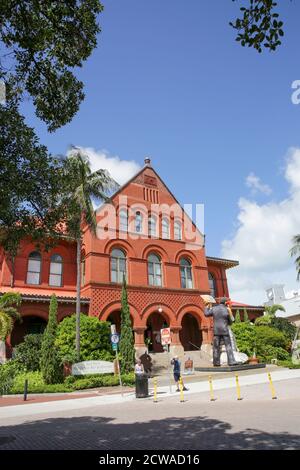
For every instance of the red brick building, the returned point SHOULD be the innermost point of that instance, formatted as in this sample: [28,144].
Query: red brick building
[140,237]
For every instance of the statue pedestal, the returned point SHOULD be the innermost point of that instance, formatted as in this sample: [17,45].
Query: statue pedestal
[230,368]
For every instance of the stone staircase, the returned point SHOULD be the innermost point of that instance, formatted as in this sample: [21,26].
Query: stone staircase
[161,361]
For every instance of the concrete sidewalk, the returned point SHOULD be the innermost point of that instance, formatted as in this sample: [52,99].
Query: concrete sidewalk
[164,391]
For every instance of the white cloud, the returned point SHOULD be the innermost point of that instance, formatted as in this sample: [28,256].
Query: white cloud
[263,239]
[254,183]
[120,170]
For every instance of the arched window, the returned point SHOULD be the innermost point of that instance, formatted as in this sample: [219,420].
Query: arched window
[212,285]
[56,266]
[165,228]
[123,220]
[154,270]
[152,226]
[138,222]
[186,274]
[177,230]
[34,268]
[117,265]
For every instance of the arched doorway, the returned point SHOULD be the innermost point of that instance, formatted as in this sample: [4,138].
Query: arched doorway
[115,319]
[155,323]
[190,334]
[29,325]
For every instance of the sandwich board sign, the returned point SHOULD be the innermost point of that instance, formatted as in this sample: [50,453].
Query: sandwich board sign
[165,335]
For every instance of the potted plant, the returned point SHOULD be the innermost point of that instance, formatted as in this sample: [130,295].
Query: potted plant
[253,359]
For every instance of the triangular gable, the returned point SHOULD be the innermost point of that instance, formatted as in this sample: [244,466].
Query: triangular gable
[149,179]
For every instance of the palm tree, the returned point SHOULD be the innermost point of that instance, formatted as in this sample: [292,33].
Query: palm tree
[295,251]
[272,309]
[83,185]
[8,314]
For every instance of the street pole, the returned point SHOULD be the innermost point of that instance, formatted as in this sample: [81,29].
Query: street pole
[170,368]
[118,365]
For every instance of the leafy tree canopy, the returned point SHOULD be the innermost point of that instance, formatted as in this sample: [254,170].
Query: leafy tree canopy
[41,46]
[259,25]
[43,42]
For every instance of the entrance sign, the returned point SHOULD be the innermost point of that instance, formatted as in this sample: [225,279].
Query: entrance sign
[165,334]
[92,367]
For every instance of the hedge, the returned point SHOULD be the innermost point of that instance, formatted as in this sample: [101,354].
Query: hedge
[36,383]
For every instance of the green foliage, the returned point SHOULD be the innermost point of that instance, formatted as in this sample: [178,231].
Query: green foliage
[245,335]
[8,372]
[50,363]
[36,383]
[237,317]
[246,317]
[46,41]
[289,364]
[259,25]
[267,335]
[126,344]
[269,352]
[94,338]
[272,309]
[267,342]
[27,353]
[264,320]
[42,43]
[8,313]
[282,324]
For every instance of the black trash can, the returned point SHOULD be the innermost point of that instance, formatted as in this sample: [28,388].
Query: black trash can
[141,386]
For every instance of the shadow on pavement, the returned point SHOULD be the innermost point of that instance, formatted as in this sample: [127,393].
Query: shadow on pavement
[87,432]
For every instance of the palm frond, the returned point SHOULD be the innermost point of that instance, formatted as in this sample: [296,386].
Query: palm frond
[10,298]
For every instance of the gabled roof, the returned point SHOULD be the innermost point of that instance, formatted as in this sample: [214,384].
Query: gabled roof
[132,180]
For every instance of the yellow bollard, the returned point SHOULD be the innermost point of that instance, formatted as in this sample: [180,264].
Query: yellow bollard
[155,390]
[181,390]
[272,387]
[238,388]
[211,390]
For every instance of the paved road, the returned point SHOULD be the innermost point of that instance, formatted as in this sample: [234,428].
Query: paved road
[256,422]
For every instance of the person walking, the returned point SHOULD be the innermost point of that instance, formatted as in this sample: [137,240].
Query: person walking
[176,372]
[139,368]
[222,320]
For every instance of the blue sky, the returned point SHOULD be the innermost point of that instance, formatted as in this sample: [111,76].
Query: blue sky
[168,80]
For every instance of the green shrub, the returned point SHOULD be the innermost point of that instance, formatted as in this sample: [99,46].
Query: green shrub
[271,352]
[265,320]
[36,382]
[245,335]
[94,338]
[8,371]
[289,364]
[283,325]
[27,354]
[268,335]
[237,318]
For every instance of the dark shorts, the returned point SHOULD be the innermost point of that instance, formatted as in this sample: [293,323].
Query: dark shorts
[176,376]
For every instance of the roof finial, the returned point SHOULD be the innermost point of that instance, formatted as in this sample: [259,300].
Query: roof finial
[147,161]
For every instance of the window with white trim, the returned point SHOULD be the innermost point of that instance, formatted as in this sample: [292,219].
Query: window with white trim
[117,265]
[34,268]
